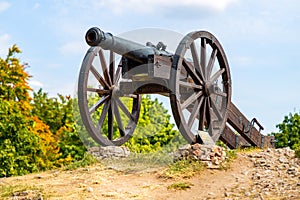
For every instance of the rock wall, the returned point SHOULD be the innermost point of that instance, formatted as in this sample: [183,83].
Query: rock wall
[276,173]
[211,155]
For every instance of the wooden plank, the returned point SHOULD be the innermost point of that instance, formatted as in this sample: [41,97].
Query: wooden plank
[241,124]
[229,138]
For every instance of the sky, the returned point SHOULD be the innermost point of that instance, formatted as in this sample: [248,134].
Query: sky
[261,40]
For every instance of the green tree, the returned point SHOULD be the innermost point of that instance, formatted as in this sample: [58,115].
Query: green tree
[289,132]
[154,130]
[57,113]
[20,150]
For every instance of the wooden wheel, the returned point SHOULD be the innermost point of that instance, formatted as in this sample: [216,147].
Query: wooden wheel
[109,117]
[201,86]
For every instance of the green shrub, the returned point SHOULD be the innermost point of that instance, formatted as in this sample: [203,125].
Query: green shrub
[289,132]
[87,160]
[154,130]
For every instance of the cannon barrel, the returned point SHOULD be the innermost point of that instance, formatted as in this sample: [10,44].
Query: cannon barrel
[126,48]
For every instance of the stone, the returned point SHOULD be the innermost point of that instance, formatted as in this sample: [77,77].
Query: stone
[247,194]
[89,189]
[205,137]
[211,155]
[109,152]
[185,147]
[226,194]
[197,152]
[281,165]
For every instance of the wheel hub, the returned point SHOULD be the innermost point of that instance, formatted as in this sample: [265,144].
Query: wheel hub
[114,91]
[207,89]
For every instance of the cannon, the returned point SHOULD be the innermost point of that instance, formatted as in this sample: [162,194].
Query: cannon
[116,72]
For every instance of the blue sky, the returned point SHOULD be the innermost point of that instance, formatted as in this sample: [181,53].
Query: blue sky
[260,38]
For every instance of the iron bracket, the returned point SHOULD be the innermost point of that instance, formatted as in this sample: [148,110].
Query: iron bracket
[250,126]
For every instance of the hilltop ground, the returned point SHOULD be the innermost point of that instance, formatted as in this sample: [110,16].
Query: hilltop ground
[109,181]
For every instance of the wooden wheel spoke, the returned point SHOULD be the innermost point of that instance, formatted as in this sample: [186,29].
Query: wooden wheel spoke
[219,93]
[190,85]
[99,91]
[104,67]
[98,104]
[196,61]
[216,110]
[190,69]
[110,121]
[208,113]
[101,80]
[124,109]
[112,66]
[103,114]
[118,75]
[211,63]
[194,112]
[118,119]
[134,96]
[217,75]
[202,116]
[191,99]
[203,56]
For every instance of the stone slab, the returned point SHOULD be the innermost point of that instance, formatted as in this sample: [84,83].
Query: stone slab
[205,137]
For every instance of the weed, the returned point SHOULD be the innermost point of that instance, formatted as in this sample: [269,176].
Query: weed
[27,191]
[180,186]
[183,169]
[87,160]
[250,149]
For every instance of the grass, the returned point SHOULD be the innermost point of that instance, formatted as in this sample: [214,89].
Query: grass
[183,169]
[136,162]
[180,186]
[22,190]
[231,155]
[249,149]
[87,160]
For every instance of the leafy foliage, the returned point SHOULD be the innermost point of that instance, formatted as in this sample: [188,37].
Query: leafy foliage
[35,134]
[20,149]
[154,130]
[289,132]
[57,113]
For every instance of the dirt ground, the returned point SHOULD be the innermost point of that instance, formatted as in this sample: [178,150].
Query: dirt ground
[102,182]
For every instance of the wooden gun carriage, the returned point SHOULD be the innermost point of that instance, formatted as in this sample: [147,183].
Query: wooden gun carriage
[116,72]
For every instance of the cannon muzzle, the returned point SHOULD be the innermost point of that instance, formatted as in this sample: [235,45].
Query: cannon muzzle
[94,36]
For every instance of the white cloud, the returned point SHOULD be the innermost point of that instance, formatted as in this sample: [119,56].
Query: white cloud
[72,48]
[4,44]
[149,6]
[35,84]
[120,6]
[4,6]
